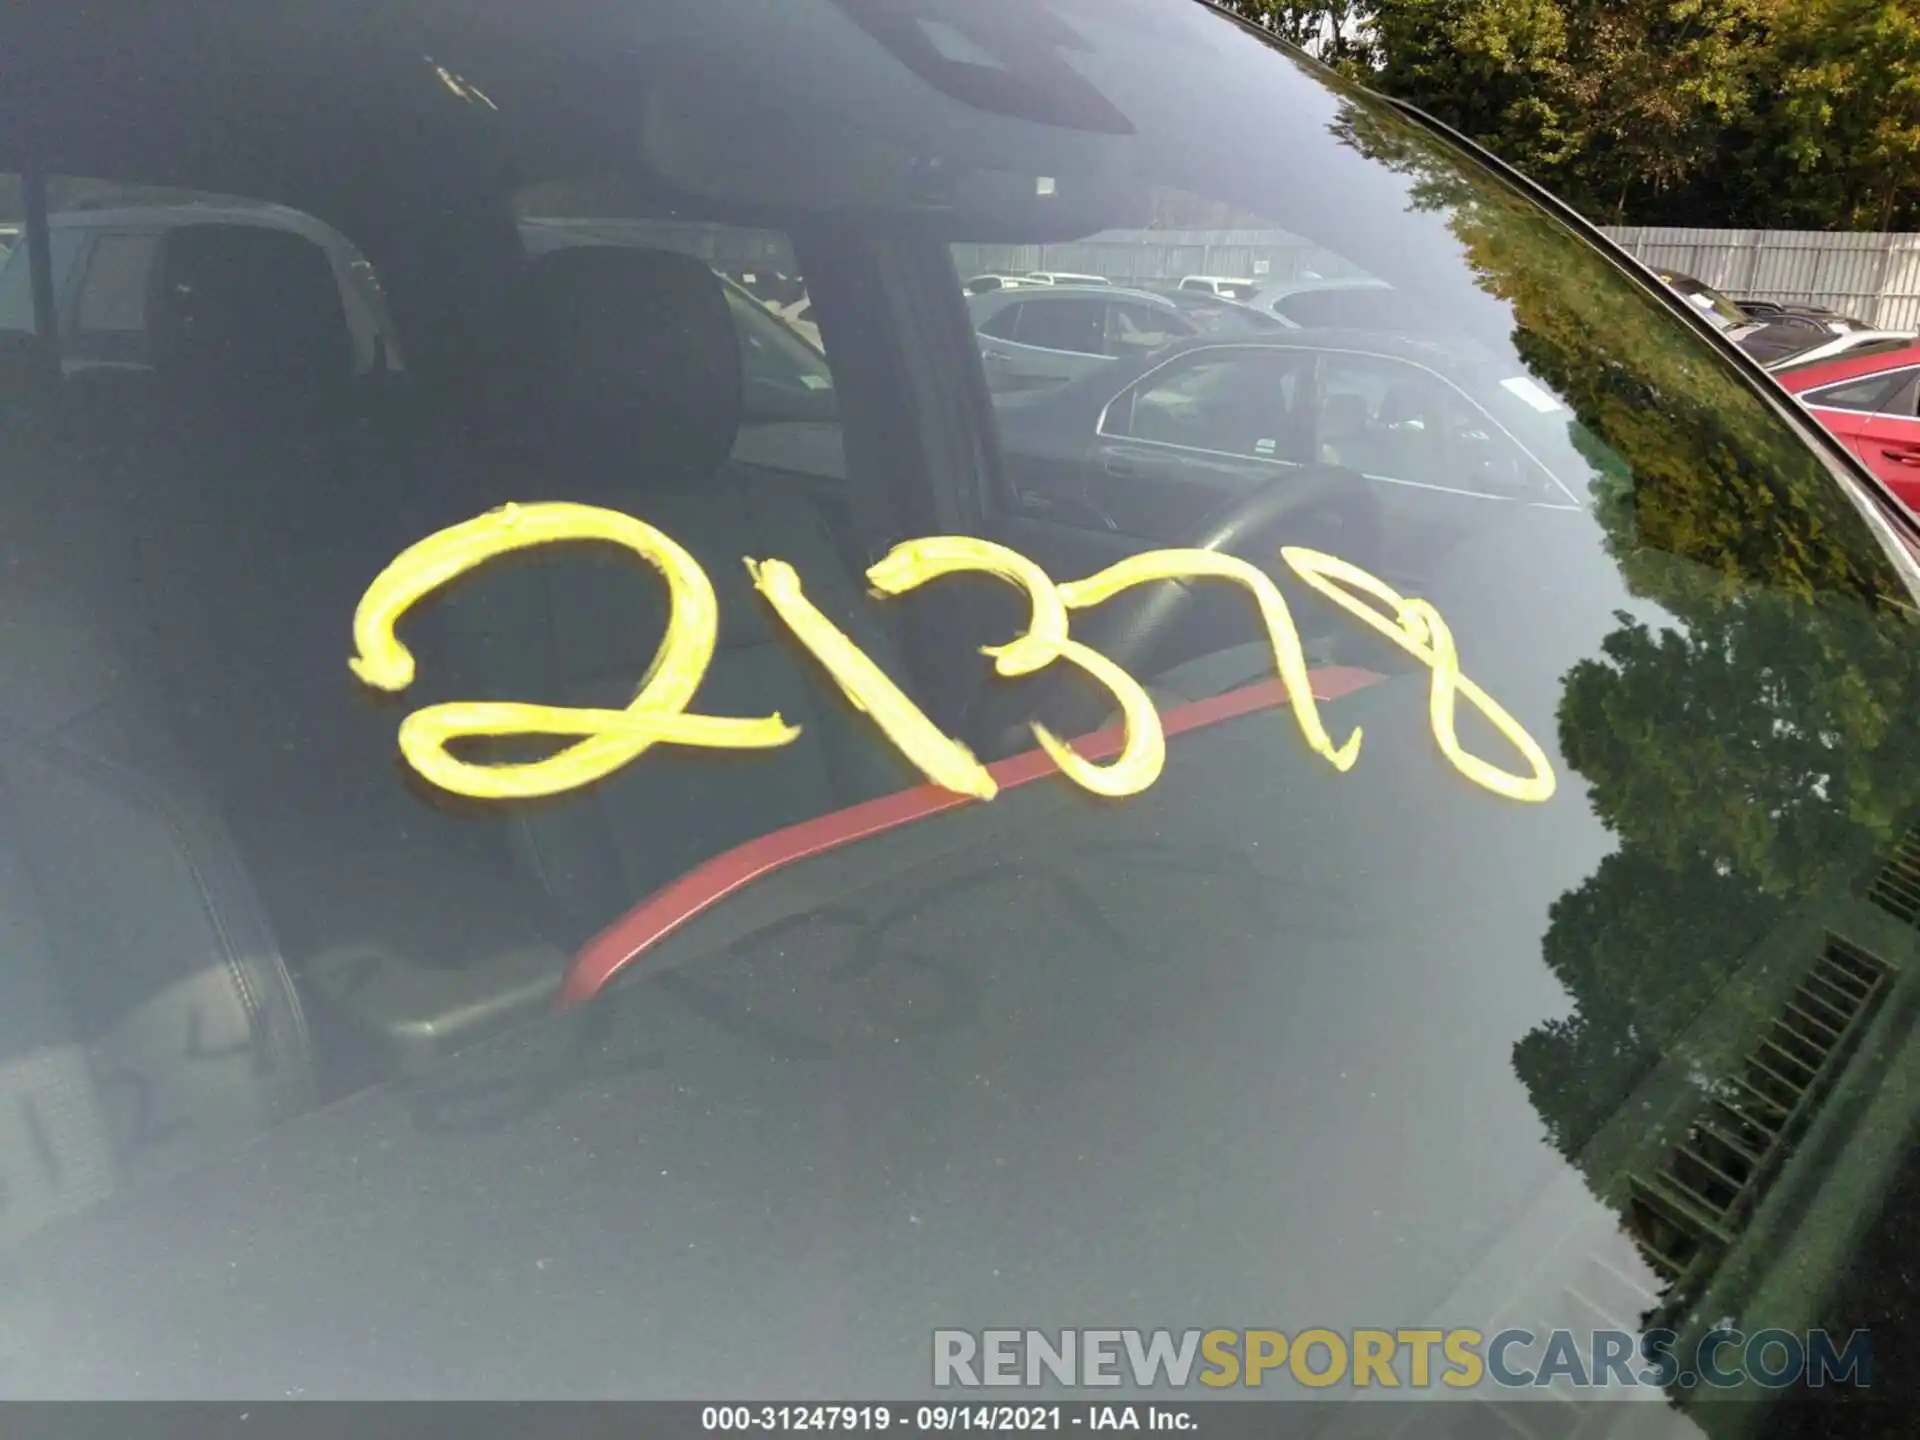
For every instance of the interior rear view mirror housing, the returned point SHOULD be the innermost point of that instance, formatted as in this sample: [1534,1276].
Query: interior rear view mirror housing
[768,155]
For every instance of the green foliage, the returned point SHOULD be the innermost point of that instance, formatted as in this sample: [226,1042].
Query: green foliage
[1495,70]
[1753,753]
[1712,112]
[1337,31]
[1621,106]
[1657,87]
[1645,946]
[1841,144]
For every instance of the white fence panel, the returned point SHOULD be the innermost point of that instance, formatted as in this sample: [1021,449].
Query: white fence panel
[1874,276]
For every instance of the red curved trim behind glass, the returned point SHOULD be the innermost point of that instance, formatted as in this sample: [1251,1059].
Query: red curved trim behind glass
[670,907]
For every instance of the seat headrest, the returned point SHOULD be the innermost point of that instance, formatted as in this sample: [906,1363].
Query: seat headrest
[632,354]
[248,306]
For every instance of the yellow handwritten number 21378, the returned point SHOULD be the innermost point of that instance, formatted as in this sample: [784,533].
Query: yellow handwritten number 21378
[602,741]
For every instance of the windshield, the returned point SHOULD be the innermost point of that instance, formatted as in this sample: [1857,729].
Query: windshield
[1724,314]
[745,791]
[1219,317]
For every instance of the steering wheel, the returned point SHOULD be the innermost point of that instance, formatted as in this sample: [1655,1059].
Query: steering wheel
[1319,506]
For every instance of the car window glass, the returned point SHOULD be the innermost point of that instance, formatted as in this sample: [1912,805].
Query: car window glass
[1222,317]
[1234,402]
[1704,304]
[1377,416]
[117,230]
[16,291]
[1725,313]
[1359,308]
[1395,420]
[1872,393]
[1134,326]
[230,481]
[1069,323]
[1595,811]
[113,289]
[786,378]
[1004,323]
[16,280]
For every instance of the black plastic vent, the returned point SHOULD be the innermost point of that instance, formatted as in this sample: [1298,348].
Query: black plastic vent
[1687,1214]
[1896,889]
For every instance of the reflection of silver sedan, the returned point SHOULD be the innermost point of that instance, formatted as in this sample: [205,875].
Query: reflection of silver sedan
[1439,444]
[1030,339]
[1357,302]
[986,284]
[1221,286]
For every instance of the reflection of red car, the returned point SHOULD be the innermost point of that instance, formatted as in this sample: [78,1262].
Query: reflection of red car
[1871,401]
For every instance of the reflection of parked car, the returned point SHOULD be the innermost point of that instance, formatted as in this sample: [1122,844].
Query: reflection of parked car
[1041,337]
[1872,402]
[1222,286]
[985,284]
[1766,310]
[1065,277]
[1214,316]
[1356,302]
[1724,313]
[1136,448]
[103,270]
[1776,334]
[1784,342]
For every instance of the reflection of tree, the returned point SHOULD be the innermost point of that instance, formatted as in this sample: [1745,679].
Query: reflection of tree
[1751,756]
[1769,740]
[1622,943]
[1700,469]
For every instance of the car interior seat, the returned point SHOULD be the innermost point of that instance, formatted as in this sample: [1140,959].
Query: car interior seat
[147,1014]
[630,398]
[259,503]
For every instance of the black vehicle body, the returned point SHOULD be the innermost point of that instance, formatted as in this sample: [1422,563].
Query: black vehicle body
[1773,309]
